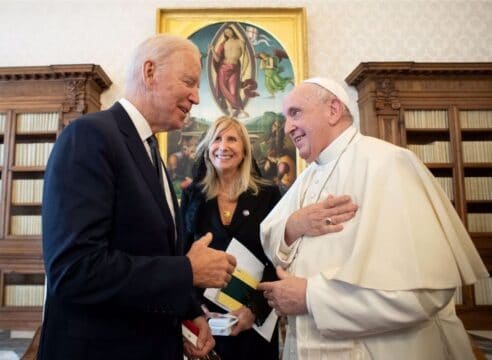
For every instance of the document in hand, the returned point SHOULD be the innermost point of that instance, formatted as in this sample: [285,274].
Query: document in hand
[241,290]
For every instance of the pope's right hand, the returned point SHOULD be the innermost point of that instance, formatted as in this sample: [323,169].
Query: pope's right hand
[323,217]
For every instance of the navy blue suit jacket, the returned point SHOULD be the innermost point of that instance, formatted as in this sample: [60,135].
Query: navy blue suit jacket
[118,283]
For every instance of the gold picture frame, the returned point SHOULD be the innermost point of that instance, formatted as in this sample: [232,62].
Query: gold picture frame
[285,27]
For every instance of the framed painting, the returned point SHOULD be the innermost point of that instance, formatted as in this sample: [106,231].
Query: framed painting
[251,58]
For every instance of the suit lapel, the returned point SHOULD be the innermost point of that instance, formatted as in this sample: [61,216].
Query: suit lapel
[143,162]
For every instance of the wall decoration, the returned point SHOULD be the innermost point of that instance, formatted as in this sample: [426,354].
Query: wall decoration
[251,58]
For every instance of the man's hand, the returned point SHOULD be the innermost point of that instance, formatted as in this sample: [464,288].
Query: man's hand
[205,341]
[211,268]
[245,320]
[288,295]
[321,218]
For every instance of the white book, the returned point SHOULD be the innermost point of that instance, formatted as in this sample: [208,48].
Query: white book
[248,264]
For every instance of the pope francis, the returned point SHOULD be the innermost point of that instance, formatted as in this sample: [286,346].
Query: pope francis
[382,288]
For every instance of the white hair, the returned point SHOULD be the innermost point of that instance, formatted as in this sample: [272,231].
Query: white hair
[157,49]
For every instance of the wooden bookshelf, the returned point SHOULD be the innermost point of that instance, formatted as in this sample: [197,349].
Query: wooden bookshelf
[35,105]
[442,112]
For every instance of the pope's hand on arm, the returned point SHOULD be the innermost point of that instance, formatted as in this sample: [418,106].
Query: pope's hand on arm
[320,218]
[287,295]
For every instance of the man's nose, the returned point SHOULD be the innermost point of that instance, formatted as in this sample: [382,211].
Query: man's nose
[195,96]
[288,127]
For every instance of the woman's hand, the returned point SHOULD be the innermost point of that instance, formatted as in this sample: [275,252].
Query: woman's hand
[245,320]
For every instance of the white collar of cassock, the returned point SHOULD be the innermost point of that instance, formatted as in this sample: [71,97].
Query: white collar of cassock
[332,151]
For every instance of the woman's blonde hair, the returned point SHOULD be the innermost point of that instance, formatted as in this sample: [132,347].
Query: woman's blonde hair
[246,178]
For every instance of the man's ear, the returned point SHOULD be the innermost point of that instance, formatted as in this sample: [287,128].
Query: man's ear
[335,109]
[149,70]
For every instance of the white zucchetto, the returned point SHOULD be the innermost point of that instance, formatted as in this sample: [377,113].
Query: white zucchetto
[332,86]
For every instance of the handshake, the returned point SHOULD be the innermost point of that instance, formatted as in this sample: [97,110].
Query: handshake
[211,268]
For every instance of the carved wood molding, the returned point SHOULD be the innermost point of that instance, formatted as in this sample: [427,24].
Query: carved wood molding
[384,69]
[386,95]
[388,128]
[74,96]
[57,72]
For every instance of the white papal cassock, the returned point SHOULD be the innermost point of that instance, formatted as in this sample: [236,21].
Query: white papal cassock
[383,287]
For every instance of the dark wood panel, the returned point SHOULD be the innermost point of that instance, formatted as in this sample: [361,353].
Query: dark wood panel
[68,91]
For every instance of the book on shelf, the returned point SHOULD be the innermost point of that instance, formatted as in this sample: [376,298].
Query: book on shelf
[1,154]
[25,225]
[32,154]
[483,291]
[476,119]
[24,295]
[478,188]
[37,123]
[422,119]
[477,151]
[479,222]
[27,191]
[433,152]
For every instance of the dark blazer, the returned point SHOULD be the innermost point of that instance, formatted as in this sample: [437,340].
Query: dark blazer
[201,216]
[118,283]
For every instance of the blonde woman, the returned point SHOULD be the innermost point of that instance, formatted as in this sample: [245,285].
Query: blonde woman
[229,199]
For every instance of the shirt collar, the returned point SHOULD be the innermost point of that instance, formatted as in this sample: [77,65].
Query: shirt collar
[332,151]
[142,126]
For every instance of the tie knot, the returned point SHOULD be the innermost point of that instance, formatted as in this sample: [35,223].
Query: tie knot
[152,140]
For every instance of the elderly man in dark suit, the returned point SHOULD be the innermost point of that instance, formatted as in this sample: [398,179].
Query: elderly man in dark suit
[119,284]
